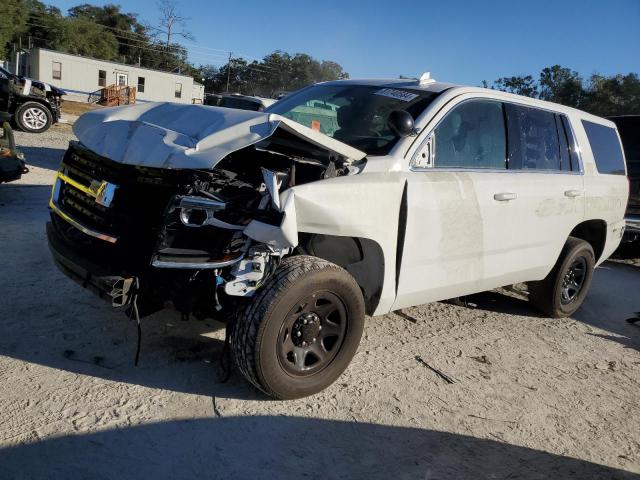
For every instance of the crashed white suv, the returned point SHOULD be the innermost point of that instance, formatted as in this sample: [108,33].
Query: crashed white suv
[344,199]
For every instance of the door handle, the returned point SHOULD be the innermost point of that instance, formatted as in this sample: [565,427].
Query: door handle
[504,196]
[572,193]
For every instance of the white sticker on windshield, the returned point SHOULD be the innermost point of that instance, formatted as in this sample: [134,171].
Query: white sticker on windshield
[397,94]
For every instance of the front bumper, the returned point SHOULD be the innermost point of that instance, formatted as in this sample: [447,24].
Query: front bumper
[632,224]
[632,229]
[106,282]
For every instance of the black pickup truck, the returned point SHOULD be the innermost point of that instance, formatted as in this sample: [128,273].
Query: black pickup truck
[629,128]
[34,105]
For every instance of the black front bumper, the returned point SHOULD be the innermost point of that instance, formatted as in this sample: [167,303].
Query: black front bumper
[108,283]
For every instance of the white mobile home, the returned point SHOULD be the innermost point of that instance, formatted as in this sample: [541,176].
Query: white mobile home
[82,76]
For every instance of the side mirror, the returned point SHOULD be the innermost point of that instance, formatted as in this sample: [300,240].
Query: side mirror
[401,122]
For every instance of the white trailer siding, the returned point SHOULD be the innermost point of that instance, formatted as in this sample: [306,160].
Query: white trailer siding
[81,76]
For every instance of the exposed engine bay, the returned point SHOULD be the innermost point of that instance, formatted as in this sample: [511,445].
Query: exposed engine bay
[200,238]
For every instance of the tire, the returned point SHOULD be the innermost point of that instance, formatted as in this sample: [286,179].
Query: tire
[33,117]
[278,341]
[550,295]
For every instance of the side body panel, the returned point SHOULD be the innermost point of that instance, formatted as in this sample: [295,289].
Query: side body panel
[606,196]
[461,240]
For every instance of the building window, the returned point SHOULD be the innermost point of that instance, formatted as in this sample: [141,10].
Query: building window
[57,71]
[102,78]
[178,90]
[141,84]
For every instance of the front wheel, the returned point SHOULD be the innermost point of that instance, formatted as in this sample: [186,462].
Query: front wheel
[301,330]
[562,292]
[33,117]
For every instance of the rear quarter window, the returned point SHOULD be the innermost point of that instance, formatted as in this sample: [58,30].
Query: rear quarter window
[606,148]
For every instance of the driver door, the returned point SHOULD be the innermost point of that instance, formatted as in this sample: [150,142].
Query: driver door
[461,209]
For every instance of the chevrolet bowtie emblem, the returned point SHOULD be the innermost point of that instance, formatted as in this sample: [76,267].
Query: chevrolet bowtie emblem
[103,191]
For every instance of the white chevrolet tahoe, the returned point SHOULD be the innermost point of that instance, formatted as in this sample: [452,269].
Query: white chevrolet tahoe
[344,199]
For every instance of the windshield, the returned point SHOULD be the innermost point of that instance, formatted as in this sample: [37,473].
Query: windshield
[353,114]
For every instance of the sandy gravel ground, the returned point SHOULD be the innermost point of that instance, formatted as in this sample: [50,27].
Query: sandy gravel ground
[530,397]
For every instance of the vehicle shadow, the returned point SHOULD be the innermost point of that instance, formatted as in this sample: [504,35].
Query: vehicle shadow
[503,302]
[47,319]
[628,251]
[286,447]
[43,157]
[95,340]
[613,299]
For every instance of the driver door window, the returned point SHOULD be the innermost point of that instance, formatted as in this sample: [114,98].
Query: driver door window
[472,135]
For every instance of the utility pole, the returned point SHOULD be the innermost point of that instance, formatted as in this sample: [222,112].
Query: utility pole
[228,72]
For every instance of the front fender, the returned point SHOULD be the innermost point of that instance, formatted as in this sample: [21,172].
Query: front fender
[364,206]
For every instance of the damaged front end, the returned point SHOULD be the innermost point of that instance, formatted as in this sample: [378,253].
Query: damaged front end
[197,231]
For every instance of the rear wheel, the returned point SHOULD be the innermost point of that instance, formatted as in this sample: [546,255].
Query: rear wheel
[562,292]
[301,329]
[33,117]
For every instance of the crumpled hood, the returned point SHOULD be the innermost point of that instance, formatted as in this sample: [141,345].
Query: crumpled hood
[172,135]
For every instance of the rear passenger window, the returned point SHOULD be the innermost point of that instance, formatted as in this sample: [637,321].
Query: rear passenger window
[606,148]
[534,140]
[472,135]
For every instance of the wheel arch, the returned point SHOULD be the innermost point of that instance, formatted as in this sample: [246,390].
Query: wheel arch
[593,232]
[363,258]
[41,101]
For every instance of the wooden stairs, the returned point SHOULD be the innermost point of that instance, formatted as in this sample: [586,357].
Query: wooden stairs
[114,95]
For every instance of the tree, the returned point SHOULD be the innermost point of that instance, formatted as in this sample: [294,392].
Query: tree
[133,37]
[615,95]
[519,85]
[561,85]
[12,21]
[82,36]
[601,95]
[43,24]
[171,23]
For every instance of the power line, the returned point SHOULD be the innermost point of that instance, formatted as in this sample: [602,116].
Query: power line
[196,55]
[200,56]
[146,37]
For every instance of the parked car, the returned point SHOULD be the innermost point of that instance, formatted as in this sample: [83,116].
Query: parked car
[12,164]
[629,128]
[235,100]
[34,105]
[292,228]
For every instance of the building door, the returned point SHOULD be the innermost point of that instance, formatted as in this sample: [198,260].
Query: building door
[122,79]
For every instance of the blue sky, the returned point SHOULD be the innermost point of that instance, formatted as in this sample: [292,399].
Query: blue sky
[458,41]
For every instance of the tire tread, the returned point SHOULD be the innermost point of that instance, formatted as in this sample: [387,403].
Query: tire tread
[245,332]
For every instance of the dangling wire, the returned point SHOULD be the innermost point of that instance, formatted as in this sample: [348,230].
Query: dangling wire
[133,311]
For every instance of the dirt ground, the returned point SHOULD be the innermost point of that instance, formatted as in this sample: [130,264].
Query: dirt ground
[77,108]
[522,396]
